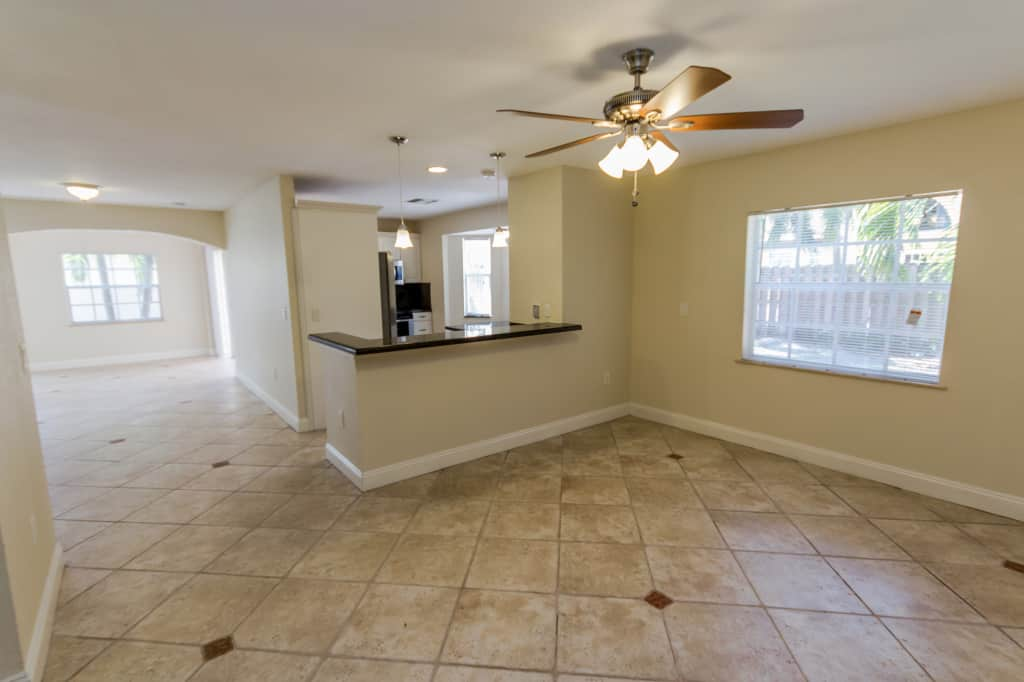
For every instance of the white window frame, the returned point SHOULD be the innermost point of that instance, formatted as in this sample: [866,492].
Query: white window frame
[753,262]
[466,275]
[88,323]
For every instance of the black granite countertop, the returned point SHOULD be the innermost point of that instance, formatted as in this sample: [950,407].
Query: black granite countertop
[471,333]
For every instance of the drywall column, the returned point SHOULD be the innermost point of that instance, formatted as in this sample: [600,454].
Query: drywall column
[535,209]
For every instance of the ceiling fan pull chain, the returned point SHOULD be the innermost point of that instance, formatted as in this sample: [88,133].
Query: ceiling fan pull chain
[636,191]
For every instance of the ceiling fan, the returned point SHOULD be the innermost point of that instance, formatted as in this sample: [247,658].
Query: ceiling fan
[644,116]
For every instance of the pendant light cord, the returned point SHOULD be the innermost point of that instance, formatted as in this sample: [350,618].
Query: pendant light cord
[401,193]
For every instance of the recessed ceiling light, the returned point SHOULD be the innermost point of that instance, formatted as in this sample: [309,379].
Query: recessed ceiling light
[437,169]
[81,190]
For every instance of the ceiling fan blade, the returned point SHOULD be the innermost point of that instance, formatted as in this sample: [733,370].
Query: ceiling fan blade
[663,138]
[686,88]
[739,120]
[574,143]
[600,122]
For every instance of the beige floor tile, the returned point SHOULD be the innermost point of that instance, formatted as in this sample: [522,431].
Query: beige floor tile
[642,445]
[243,509]
[459,673]
[208,607]
[603,569]
[173,475]
[996,592]
[136,661]
[599,523]
[189,548]
[208,454]
[450,517]
[114,505]
[68,655]
[952,651]
[734,496]
[807,499]
[115,546]
[309,512]
[524,520]
[837,648]
[257,666]
[300,616]
[957,513]
[70,533]
[398,622]
[440,560]
[503,629]
[66,497]
[833,477]
[455,486]
[409,488]
[1016,634]
[716,643]
[178,506]
[229,478]
[603,462]
[329,481]
[713,468]
[699,575]
[69,470]
[930,541]
[311,456]
[847,537]
[111,606]
[507,564]
[379,514]
[536,462]
[352,670]
[116,474]
[774,469]
[1006,541]
[592,639]
[265,551]
[345,556]
[668,491]
[75,581]
[264,455]
[661,525]
[690,443]
[247,436]
[491,465]
[902,589]
[530,488]
[884,503]
[761,532]
[644,466]
[798,582]
[595,490]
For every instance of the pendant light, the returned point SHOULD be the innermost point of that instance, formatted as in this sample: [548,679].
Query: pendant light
[402,238]
[500,239]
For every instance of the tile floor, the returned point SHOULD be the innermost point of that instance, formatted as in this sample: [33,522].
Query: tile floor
[525,566]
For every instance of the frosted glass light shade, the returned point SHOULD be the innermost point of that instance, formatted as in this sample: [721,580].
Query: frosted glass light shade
[82,191]
[402,238]
[633,155]
[611,164]
[500,239]
[661,156]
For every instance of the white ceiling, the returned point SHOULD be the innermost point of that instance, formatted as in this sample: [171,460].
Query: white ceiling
[196,101]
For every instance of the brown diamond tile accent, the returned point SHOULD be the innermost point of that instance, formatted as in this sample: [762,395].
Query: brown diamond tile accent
[222,463]
[218,647]
[674,456]
[657,599]
[1014,566]
[115,441]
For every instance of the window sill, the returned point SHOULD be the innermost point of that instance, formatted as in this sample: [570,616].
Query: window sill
[100,323]
[862,377]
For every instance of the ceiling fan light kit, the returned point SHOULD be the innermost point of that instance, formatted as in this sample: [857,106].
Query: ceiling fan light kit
[644,116]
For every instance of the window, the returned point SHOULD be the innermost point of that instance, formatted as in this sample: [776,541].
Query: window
[476,277]
[853,288]
[111,287]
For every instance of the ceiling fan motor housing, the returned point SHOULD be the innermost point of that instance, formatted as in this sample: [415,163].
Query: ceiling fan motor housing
[627,105]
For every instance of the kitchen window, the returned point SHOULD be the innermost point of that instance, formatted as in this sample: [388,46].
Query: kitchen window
[857,288]
[105,288]
[476,277]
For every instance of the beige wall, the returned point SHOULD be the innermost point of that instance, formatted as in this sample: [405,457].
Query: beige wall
[689,246]
[24,215]
[432,231]
[535,243]
[391,225]
[26,528]
[53,342]
[262,296]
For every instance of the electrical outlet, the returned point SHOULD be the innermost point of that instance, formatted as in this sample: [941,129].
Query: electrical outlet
[607,377]
[536,311]
[545,310]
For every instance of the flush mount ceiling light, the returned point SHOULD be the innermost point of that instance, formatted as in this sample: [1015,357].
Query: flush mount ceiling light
[644,116]
[81,190]
[500,239]
[437,170]
[402,238]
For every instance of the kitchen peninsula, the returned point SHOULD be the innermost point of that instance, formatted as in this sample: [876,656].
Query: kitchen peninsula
[405,406]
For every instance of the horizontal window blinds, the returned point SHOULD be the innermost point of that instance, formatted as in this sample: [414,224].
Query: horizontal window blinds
[853,288]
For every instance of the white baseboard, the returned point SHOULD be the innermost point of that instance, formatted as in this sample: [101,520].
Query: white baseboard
[39,646]
[424,464]
[943,488]
[119,359]
[289,417]
[19,677]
